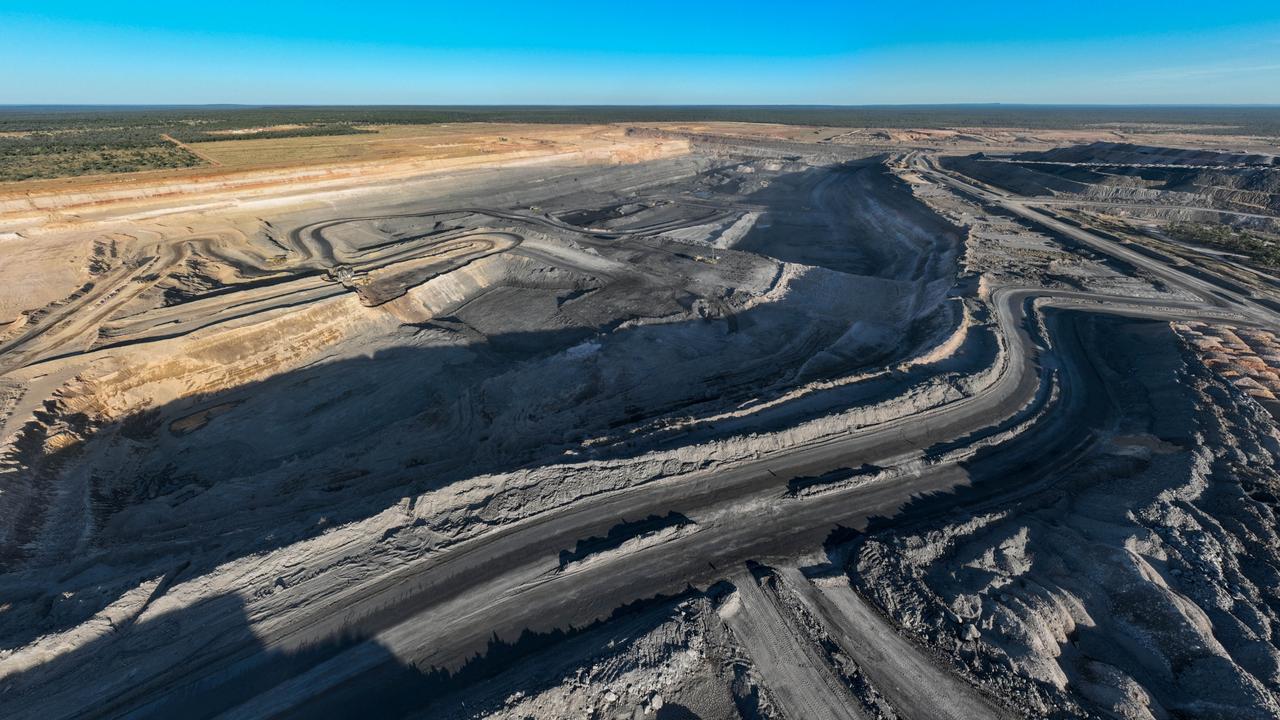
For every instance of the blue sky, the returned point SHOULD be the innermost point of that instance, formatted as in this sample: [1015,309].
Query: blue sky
[745,52]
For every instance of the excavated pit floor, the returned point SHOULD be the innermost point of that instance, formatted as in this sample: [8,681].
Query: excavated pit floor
[235,417]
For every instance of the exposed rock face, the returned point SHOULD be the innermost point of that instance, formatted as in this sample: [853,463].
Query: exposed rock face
[1143,586]
[1120,172]
[315,369]
[495,442]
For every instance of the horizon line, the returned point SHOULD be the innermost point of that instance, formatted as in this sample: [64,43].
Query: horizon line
[647,105]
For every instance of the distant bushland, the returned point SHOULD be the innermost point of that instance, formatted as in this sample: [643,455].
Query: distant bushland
[40,141]
[1260,249]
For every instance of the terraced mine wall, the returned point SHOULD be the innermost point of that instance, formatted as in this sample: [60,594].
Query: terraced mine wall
[1127,173]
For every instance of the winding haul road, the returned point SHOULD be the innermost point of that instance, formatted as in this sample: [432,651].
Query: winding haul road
[444,611]
[441,611]
[94,320]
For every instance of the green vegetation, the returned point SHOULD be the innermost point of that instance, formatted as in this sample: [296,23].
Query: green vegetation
[195,135]
[40,143]
[1262,250]
[68,153]
[53,141]
[20,164]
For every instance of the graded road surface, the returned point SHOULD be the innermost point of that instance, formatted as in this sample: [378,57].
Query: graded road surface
[799,680]
[440,612]
[909,679]
[756,491]
[443,610]
[1209,292]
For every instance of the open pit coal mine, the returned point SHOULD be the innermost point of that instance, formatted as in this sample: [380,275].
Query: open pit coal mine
[764,429]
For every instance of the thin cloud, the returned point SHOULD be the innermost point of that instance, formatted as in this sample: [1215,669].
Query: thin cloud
[1196,72]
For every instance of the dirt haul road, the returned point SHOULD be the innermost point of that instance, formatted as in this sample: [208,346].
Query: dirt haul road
[799,679]
[309,252]
[1211,293]
[443,611]
[753,524]
[347,649]
[915,685]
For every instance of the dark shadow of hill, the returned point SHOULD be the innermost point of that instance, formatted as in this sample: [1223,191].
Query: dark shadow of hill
[619,534]
[842,238]
[532,662]
[1112,350]
[1001,473]
[995,474]
[387,687]
[1138,362]
[147,525]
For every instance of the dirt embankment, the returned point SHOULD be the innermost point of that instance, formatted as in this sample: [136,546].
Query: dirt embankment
[1125,173]
[1140,586]
[233,424]
[30,204]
